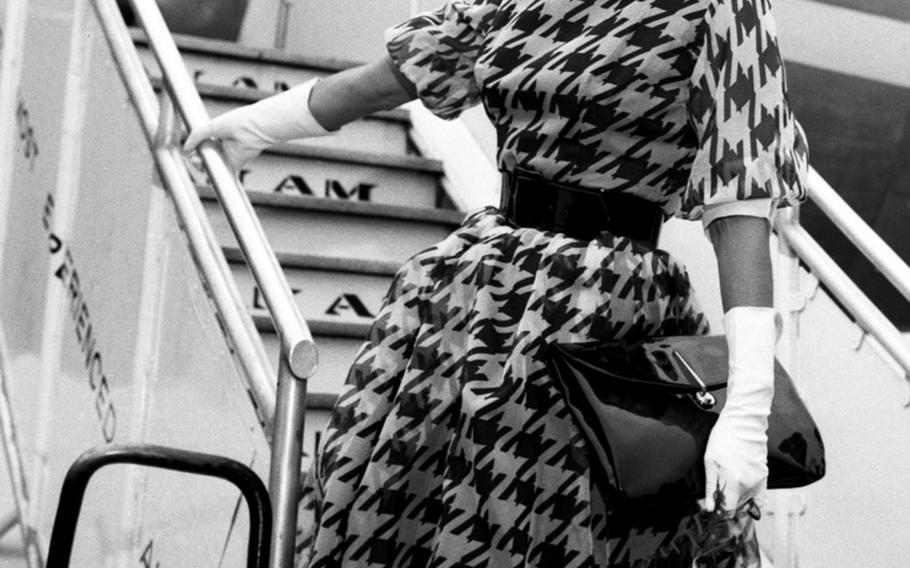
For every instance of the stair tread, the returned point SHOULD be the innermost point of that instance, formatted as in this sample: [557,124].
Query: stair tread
[305,202]
[360,157]
[301,149]
[324,327]
[253,95]
[194,44]
[318,262]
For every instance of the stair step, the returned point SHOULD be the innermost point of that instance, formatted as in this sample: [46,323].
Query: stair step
[386,131]
[229,75]
[323,287]
[337,173]
[233,65]
[347,229]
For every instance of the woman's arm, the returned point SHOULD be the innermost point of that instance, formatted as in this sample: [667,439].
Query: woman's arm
[360,91]
[736,458]
[741,245]
[313,108]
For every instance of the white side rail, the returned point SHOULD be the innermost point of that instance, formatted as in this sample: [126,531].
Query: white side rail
[860,307]
[283,414]
[860,233]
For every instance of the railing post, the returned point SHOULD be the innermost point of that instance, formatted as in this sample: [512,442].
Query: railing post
[284,476]
[787,505]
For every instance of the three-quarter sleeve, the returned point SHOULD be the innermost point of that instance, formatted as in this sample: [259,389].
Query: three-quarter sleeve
[751,155]
[437,50]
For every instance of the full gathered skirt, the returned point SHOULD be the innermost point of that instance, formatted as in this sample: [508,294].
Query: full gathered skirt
[450,446]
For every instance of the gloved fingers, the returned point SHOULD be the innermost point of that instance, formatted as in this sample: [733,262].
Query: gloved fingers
[730,488]
[196,136]
[232,124]
[237,153]
[732,496]
[711,488]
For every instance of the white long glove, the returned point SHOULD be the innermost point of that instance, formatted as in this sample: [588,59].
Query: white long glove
[246,131]
[736,459]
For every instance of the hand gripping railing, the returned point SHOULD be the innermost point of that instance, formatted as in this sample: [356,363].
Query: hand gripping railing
[866,314]
[283,414]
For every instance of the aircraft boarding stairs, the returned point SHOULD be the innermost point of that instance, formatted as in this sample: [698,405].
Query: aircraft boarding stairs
[341,213]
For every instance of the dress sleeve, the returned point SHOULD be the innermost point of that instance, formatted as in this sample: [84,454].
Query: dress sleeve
[437,50]
[751,155]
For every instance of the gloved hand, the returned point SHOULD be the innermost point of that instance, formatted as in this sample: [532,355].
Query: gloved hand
[736,459]
[247,131]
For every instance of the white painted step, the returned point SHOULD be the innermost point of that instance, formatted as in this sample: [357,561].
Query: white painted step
[340,174]
[339,289]
[386,132]
[229,64]
[309,225]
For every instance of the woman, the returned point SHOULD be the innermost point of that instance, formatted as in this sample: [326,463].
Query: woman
[450,445]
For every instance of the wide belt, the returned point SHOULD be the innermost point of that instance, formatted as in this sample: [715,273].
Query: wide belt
[581,213]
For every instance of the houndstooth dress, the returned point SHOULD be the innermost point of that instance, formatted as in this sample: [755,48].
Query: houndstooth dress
[450,445]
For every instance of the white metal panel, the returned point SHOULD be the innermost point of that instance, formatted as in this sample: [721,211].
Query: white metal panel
[197,402]
[345,29]
[855,516]
[35,138]
[90,372]
[472,179]
[844,40]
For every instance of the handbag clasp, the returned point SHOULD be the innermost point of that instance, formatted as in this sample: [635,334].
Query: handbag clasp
[703,398]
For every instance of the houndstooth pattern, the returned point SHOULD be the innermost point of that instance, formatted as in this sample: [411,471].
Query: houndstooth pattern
[683,102]
[450,445]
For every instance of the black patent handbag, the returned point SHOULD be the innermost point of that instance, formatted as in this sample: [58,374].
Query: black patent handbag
[648,407]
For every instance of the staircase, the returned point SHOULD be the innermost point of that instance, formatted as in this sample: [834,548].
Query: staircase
[342,212]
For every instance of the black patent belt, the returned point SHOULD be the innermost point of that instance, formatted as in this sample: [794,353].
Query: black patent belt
[581,213]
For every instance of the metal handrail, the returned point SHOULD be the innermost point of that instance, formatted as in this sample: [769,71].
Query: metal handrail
[200,237]
[285,411]
[854,301]
[860,233]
